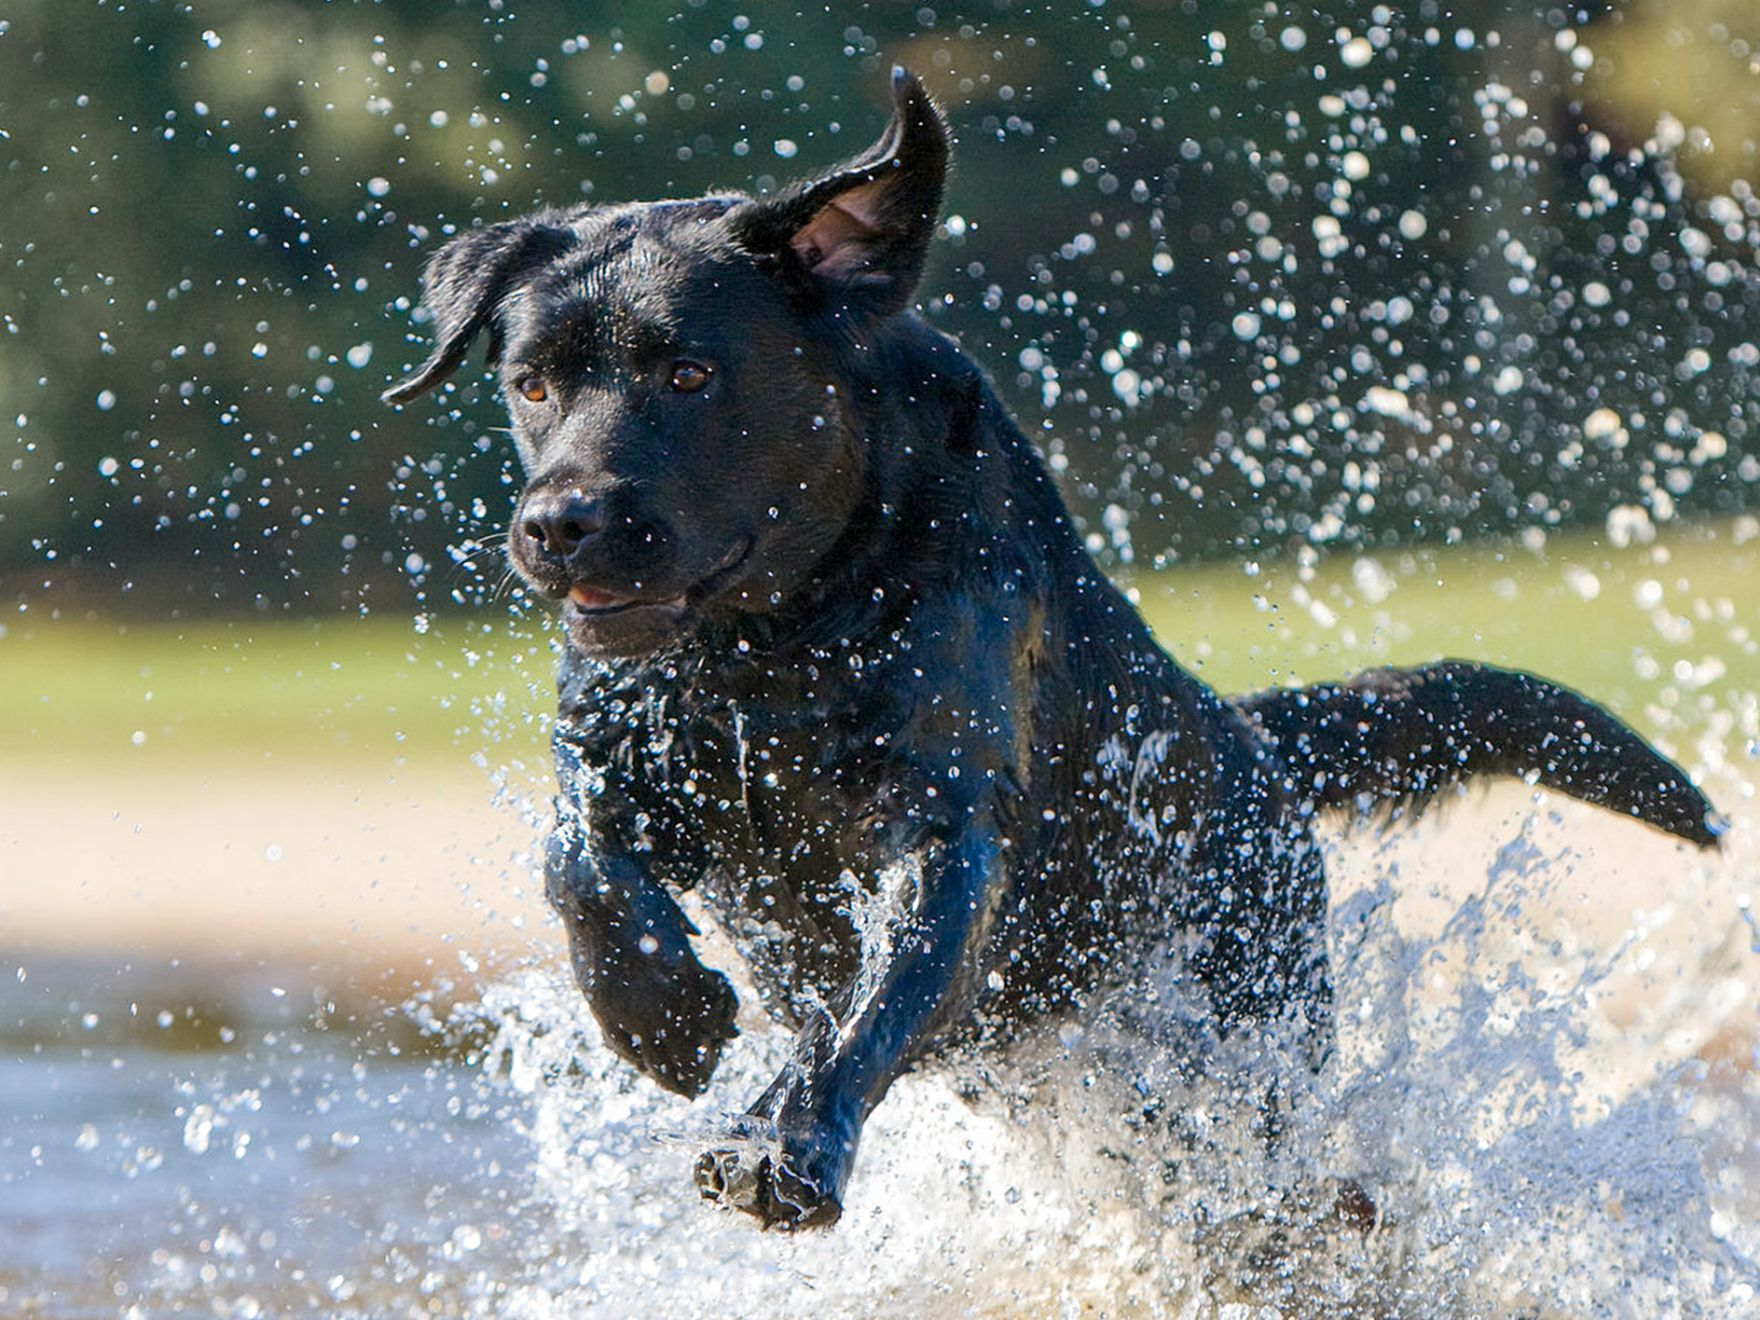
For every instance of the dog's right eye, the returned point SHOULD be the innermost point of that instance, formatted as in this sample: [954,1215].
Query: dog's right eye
[689,377]
[532,389]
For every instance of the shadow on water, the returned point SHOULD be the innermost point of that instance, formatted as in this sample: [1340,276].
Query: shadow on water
[240,1143]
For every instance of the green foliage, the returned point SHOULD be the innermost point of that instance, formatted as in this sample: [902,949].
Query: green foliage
[1258,276]
[1662,633]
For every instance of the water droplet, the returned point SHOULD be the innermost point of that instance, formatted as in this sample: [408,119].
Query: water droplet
[198,1128]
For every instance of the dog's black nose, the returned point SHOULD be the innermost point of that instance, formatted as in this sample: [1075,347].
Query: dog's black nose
[557,522]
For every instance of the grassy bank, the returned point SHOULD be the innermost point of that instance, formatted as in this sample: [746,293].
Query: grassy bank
[1674,624]
[1664,633]
[334,688]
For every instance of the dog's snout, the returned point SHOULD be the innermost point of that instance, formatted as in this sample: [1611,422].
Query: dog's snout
[559,522]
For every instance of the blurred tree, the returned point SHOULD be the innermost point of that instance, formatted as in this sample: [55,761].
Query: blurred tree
[1256,274]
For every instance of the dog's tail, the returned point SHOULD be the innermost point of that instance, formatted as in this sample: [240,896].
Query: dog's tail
[1395,738]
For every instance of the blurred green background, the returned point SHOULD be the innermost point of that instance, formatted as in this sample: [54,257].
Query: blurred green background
[1354,333]
[1268,275]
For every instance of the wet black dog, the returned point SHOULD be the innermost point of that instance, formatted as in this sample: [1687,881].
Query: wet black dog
[834,650]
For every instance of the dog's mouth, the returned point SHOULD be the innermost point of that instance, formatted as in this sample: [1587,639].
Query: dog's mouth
[594,603]
[590,601]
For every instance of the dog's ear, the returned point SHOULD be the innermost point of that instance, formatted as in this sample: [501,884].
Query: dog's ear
[463,288]
[860,234]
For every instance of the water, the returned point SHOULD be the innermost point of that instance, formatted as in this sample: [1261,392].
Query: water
[254,1151]
[1547,1121]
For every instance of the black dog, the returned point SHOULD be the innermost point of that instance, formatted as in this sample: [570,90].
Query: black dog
[834,647]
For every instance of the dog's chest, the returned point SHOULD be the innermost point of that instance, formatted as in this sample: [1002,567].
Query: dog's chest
[769,808]
[783,763]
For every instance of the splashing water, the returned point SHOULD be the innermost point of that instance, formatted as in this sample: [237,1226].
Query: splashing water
[1539,1118]
[1522,1154]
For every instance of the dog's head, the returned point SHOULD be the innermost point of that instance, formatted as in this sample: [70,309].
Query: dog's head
[676,374]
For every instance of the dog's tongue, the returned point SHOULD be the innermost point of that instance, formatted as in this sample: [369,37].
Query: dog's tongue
[588,599]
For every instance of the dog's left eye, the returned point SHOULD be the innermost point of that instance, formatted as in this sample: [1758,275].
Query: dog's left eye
[689,377]
[532,389]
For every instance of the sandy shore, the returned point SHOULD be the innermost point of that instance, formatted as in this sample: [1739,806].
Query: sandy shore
[372,877]
[388,881]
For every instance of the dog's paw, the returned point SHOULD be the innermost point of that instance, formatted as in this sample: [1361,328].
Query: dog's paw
[673,1028]
[778,1189]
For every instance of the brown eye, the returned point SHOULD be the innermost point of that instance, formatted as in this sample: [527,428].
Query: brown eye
[532,389]
[689,377]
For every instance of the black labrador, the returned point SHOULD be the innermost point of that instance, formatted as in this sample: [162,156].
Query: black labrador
[834,647]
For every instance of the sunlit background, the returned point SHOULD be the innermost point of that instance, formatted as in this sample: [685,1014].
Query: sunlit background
[1361,334]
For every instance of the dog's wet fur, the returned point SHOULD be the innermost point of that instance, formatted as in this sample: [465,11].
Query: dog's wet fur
[830,632]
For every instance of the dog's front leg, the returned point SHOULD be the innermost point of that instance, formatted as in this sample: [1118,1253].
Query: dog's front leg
[657,1006]
[792,1171]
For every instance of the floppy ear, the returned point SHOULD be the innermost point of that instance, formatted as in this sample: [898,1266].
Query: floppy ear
[860,233]
[463,286]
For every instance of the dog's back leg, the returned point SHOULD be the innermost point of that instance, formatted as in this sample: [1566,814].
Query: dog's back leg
[1261,950]
[1257,903]
[1398,737]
